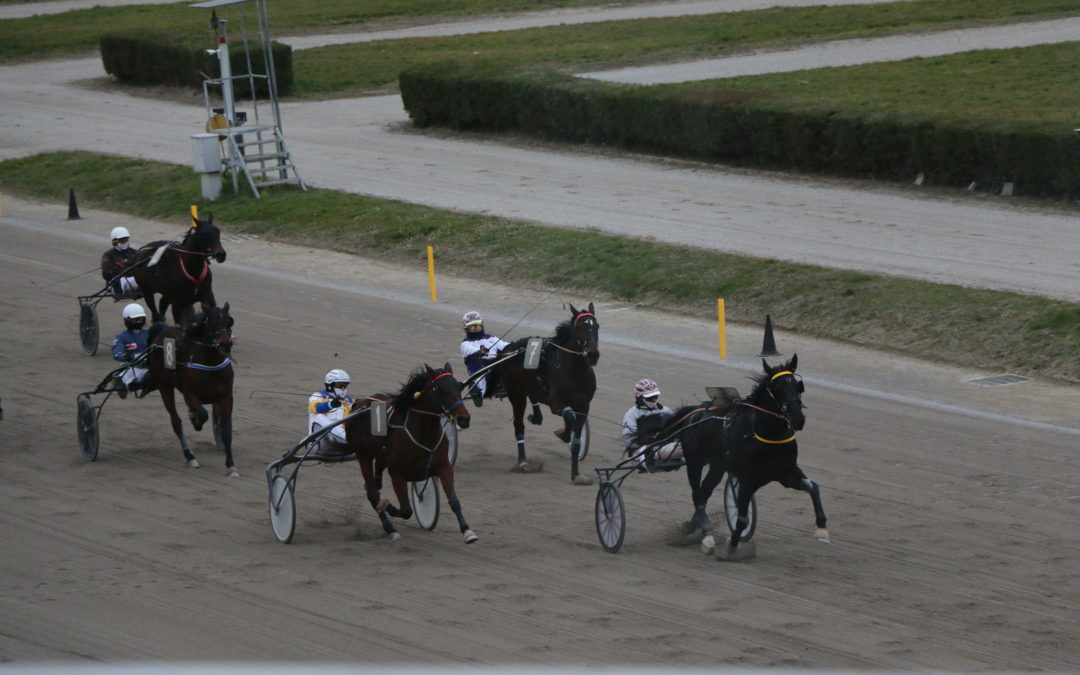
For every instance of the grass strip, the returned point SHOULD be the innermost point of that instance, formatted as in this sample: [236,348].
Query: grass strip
[971,327]
[78,31]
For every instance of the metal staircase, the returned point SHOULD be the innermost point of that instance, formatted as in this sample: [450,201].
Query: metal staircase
[258,150]
[259,153]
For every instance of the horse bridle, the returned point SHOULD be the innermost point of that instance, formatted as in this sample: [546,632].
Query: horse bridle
[587,342]
[782,405]
[435,394]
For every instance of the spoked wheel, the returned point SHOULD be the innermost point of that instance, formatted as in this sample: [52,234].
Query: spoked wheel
[610,517]
[282,509]
[88,328]
[583,448]
[87,425]
[731,512]
[424,499]
[450,429]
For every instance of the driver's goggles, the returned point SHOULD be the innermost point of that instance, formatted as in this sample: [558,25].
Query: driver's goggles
[121,240]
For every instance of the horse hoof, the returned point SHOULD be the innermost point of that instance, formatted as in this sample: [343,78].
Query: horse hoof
[193,463]
[581,479]
[470,536]
[233,473]
[393,536]
[822,535]
[708,545]
[527,467]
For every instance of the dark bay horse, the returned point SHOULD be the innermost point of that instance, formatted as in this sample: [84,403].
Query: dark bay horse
[564,381]
[203,375]
[754,441]
[181,276]
[415,447]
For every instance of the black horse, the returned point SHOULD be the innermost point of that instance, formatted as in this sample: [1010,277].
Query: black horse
[754,441]
[203,374]
[564,380]
[415,447]
[181,275]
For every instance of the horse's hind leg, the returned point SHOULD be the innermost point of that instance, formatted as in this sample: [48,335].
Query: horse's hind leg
[374,498]
[401,491]
[169,399]
[446,477]
[701,513]
[518,405]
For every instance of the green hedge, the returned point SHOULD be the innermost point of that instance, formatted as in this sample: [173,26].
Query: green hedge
[743,128]
[181,60]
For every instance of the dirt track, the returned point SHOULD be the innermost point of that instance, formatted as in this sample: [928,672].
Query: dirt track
[953,528]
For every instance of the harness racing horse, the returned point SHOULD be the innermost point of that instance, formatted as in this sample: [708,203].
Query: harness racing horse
[564,381]
[754,441]
[203,374]
[182,274]
[415,447]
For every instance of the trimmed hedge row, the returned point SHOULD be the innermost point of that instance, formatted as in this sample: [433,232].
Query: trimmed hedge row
[141,58]
[742,128]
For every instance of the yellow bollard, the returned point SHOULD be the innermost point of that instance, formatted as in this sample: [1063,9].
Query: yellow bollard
[720,322]
[194,215]
[431,271]
[1,206]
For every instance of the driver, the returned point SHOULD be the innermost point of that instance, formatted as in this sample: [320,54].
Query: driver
[116,261]
[127,346]
[650,416]
[478,349]
[328,406]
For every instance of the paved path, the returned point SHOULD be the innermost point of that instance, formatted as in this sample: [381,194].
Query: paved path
[366,145]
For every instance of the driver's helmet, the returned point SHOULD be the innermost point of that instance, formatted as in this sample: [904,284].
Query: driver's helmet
[118,234]
[647,392]
[134,316]
[336,381]
[473,322]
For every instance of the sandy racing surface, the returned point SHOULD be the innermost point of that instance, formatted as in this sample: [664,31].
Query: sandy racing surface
[952,506]
[953,528]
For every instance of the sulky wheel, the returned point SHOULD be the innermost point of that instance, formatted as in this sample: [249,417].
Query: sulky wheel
[282,508]
[583,447]
[424,499]
[610,517]
[450,429]
[87,426]
[731,512]
[88,328]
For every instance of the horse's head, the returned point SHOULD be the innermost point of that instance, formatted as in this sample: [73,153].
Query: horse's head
[205,237]
[218,330]
[445,393]
[786,388]
[585,334]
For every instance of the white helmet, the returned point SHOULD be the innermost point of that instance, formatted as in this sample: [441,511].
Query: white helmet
[134,311]
[335,376]
[134,316]
[119,233]
[646,388]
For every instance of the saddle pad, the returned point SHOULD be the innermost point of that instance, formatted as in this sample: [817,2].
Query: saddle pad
[157,255]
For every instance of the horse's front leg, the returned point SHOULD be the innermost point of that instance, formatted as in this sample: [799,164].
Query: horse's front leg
[156,315]
[742,522]
[168,397]
[798,481]
[374,498]
[225,408]
[574,424]
[446,477]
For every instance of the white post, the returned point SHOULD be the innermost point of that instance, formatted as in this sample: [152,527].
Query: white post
[226,76]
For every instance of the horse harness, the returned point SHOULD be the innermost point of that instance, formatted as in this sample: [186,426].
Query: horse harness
[404,426]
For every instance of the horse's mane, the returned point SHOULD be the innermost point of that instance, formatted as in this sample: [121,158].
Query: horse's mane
[404,398]
[562,332]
